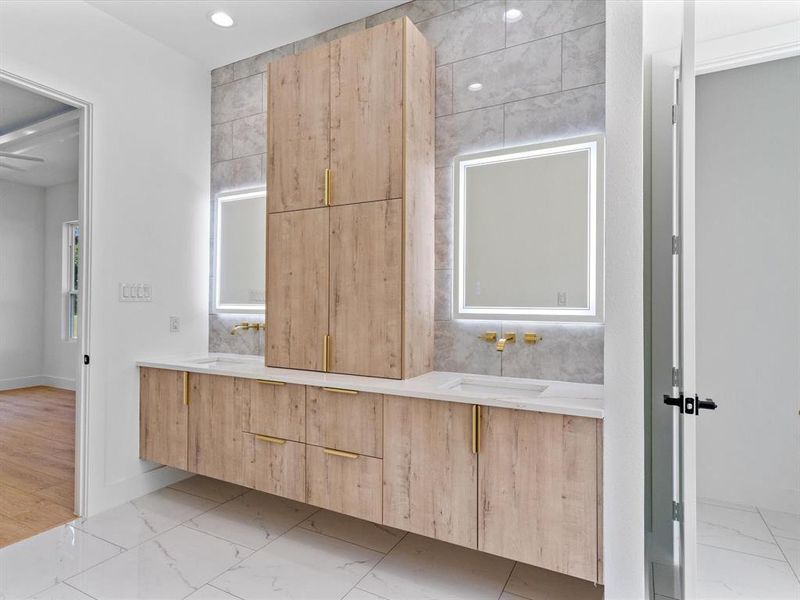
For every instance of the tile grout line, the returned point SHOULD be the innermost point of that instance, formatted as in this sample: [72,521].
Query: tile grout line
[778,560]
[375,566]
[505,585]
[780,548]
[68,584]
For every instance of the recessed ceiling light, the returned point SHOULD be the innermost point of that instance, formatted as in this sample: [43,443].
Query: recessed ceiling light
[475,87]
[513,15]
[221,19]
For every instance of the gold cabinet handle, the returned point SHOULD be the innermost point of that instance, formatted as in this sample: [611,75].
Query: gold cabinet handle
[476,428]
[271,440]
[327,187]
[185,388]
[326,353]
[270,382]
[340,391]
[341,453]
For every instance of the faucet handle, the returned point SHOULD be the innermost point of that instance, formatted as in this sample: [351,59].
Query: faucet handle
[532,338]
[488,336]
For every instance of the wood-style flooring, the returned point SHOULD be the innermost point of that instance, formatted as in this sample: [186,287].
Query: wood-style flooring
[37,461]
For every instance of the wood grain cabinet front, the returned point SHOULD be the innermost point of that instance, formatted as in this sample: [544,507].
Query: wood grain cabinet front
[430,470]
[277,409]
[346,420]
[345,482]
[163,416]
[216,440]
[538,489]
[275,465]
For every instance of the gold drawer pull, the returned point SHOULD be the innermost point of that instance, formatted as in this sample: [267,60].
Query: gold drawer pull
[327,187]
[339,453]
[270,382]
[185,388]
[340,391]
[271,440]
[476,428]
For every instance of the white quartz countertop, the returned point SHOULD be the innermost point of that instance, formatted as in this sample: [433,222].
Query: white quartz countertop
[560,397]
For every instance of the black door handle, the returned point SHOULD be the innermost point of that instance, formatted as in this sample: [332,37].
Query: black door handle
[707,404]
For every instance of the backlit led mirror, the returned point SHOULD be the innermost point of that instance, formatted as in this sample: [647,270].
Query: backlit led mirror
[529,233]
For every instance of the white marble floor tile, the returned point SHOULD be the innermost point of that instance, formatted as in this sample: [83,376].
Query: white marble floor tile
[733,529]
[534,583]
[380,538]
[254,519]
[62,591]
[134,522]
[208,592]
[171,565]
[299,565]
[510,596]
[725,574]
[211,489]
[726,504]
[791,550]
[785,525]
[665,580]
[357,594]
[38,563]
[421,568]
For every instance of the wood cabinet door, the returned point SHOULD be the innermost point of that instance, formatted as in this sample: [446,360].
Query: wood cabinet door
[275,466]
[344,482]
[297,288]
[345,420]
[216,420]
[366,290]
[367,115]
[298,130]
[538,489]
[430,472]
[163,417]
[277,409]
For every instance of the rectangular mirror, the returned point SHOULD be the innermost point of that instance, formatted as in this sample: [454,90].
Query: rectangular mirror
[241,238]
[529,232]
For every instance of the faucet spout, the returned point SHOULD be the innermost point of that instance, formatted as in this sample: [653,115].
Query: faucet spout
[245,325]
[506,339]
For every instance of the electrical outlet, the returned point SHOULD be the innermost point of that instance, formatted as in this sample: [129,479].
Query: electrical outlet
[174,324]
[562,298]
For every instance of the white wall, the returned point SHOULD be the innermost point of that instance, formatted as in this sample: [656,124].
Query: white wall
[60,356]
[623,485]
[150,195]
[21,284]
[748,284]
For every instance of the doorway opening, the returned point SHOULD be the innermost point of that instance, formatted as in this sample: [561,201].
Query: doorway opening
[44,282]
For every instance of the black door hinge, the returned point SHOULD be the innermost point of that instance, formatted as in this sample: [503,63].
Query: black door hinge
[86,359]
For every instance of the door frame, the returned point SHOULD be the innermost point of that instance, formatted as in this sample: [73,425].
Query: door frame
[82,382]
[739,50]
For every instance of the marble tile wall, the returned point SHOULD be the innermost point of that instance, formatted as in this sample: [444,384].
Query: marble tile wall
[543,78]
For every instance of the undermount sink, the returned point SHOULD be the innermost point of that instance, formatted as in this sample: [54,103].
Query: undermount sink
[222,361]
[500,389]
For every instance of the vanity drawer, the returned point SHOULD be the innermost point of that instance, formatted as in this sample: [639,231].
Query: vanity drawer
[277,409]
[276,466]
[345,420]
[344,482]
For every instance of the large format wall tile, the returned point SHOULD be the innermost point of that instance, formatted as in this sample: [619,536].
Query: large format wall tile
[584,56]
[221,142]
[562,115]
[567,352]
[468,32]
[506,75]
[243,342]
[250,135]
[458,347]
[543,18]
[237,99]
[258,64]
[443,286]
[222,75]
[444,90]
[329,36]
[471,131]
[239,173]
[444,193]
[443,244]
[416,11]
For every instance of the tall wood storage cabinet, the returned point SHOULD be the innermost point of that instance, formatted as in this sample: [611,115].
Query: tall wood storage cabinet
[350,129]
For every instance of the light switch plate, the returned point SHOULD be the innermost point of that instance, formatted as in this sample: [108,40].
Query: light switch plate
[135,292]
[174,324]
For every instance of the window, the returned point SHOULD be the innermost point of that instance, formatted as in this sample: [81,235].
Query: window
[72,232]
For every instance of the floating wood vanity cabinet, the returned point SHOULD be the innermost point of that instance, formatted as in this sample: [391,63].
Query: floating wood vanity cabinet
[351,205]
[520,484]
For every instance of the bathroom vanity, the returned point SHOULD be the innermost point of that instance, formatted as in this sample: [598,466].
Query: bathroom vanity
[507,466]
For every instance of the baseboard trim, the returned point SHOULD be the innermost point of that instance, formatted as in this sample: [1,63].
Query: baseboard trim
[15,383]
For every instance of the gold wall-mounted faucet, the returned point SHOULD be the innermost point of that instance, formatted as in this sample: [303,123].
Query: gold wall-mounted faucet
[245,325]
[532,338]
[506,339]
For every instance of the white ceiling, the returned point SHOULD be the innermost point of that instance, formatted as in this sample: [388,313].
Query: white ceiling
[34,125]
[713,19]
[260,24]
